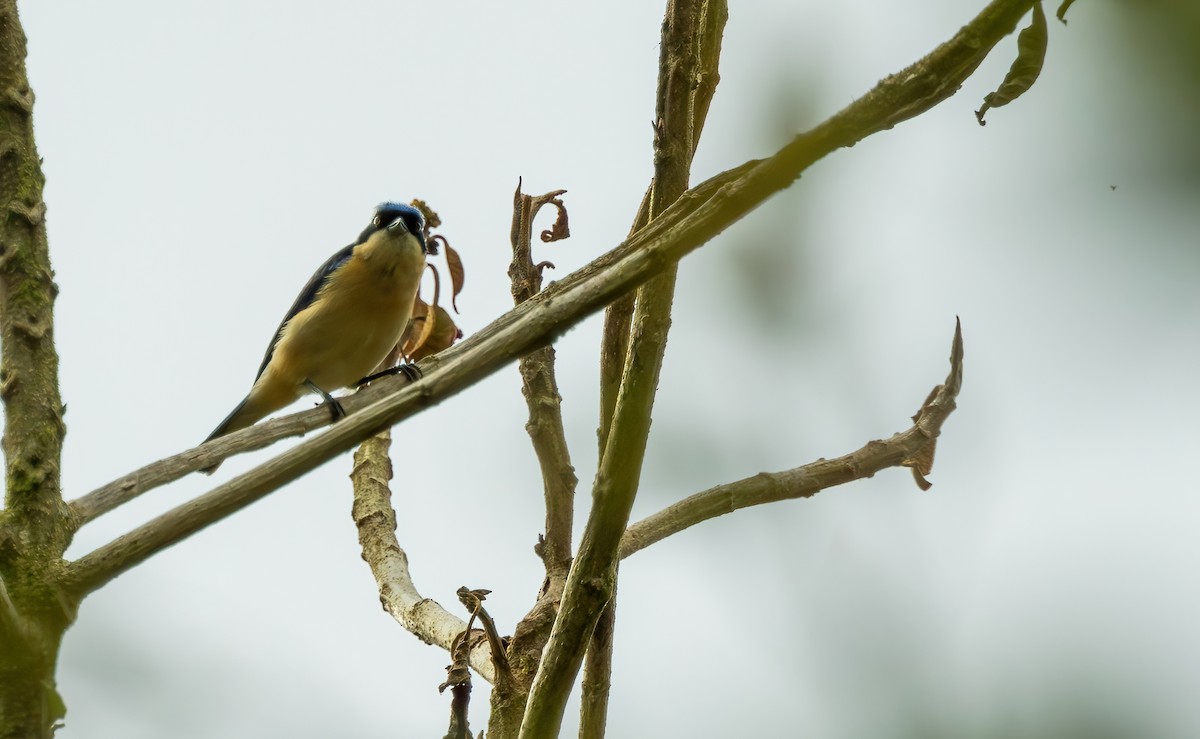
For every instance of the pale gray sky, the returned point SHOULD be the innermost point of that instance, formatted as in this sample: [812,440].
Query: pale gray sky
[204,157]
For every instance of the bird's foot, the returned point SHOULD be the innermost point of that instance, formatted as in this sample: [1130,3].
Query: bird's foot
[336,411]
[411,371]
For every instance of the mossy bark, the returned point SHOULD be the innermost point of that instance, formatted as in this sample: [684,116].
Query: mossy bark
[36,525]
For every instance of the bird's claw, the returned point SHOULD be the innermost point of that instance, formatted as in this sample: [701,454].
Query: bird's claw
[411,371]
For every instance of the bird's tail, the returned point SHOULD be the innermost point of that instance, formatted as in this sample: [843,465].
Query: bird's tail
[238,419]
[246,414]
[264,399]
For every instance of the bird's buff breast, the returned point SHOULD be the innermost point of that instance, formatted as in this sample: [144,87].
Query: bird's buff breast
[357,318]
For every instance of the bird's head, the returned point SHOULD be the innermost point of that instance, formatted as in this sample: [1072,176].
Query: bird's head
[398,218]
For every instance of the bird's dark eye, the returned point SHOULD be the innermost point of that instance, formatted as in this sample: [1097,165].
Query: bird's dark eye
[377,222]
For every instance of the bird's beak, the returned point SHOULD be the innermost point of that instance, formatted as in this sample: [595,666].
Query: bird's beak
[397,224]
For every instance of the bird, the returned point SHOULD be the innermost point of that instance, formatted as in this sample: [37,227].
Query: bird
[345,321]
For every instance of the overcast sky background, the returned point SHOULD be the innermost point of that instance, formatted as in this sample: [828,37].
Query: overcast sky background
[202,158]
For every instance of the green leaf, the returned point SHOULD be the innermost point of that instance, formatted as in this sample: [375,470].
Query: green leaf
[1062,11]
[1031,53]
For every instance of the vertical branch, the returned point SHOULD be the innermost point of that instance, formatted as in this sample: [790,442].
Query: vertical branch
[33,424]
[597,674]
[708,75]
[712,18]
[593,577]
[539,385]
[618,316]
[35,524]
[614,344]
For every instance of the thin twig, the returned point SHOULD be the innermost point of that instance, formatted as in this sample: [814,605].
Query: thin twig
[539,385]
[156,474]
[458,679]
[473,601]
[614,343]
[460,704]
[901,450]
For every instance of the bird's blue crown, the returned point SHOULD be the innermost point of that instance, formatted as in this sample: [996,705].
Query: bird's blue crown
[388,211]
[393,209]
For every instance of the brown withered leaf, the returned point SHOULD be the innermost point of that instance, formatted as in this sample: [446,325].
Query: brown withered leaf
[1031,53]
[430,328]
[420,325]
[437,284]
[561,228]
[457,274]
[458,672]
[443,334]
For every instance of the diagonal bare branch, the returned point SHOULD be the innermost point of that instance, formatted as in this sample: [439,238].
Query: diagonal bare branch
[804,482]
[161,472]
[702,213]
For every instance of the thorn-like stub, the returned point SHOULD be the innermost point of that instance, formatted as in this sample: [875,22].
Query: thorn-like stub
[934,411]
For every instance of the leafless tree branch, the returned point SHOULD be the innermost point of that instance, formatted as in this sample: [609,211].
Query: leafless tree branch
[376,522]
[909,448]
[539,385]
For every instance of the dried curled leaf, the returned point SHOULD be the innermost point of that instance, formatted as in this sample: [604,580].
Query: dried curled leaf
[420,327]
[561,228]
[458,672]
[457,274]
[1031,53]
[430,328]
[430,333]
[1062,11]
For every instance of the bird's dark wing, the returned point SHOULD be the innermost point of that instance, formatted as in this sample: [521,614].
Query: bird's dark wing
[306,297]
